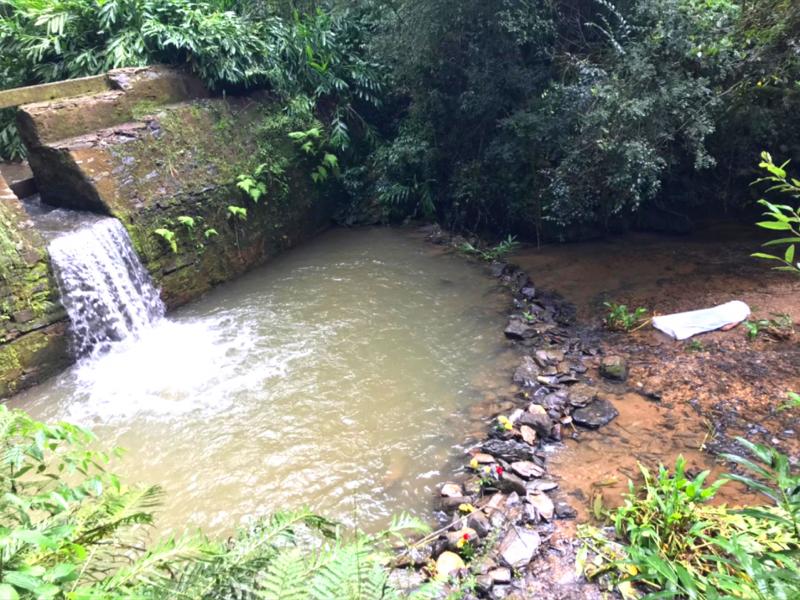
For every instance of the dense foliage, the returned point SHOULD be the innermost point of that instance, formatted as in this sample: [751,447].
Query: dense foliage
[71,529]
[538,118]
[520,115]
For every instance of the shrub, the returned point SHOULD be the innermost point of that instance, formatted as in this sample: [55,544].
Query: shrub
[781,217]
[672,543]
[620,318]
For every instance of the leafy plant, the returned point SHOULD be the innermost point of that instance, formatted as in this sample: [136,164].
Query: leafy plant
[695,346]
[188,222]
[251,186]
[781,217]
[793,401]
[210,232]
[672,543]
[497,252]
[779,327]
[169,237]
[237,212]
[619,318]
[311,143]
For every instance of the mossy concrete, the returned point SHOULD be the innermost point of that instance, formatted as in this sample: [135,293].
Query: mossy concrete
[52,91]
[183,161]
[158,154]
[33,323]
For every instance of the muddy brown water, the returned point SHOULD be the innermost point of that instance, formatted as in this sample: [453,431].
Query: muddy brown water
[347,375]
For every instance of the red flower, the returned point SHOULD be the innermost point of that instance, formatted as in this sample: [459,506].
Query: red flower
[466,537]
[499,471]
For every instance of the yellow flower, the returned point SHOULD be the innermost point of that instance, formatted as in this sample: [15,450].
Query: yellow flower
[460,543]
[503,419]
[466,508]
[473,463]
[487,470]
[508,425]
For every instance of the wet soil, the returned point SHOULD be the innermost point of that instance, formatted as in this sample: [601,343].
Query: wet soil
[691,398]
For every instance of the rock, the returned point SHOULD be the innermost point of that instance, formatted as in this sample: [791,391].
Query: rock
[565,511]
[484,583]
[480,523]
[483,459]
[543,505]
[581,394]
[449,503]
[540,356]
[537,419]
[528,434]
[23,316]
[598,413]
[497,268]
[415,556]
[527,469]
[448,563]
[526,372]
[528,292]
[517,330]
[509,450]
[614,367]
[541,485]
[500,575]
[500,592]
[509,483]
[452,490]
[519,547]
[406,580]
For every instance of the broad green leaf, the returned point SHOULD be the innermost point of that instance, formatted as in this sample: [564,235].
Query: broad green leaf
[774,225]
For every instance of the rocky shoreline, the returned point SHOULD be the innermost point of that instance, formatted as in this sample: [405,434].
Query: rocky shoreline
[499,516]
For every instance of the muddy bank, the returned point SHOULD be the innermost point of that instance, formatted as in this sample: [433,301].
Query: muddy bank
[689,398]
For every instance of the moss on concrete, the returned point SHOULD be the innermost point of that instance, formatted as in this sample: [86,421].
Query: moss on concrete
[171,162]
[185,163]
[33,344]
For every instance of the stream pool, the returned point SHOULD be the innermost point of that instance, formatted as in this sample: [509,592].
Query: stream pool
[337,376]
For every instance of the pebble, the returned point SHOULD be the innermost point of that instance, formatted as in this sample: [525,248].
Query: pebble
[452,490]
[544,506]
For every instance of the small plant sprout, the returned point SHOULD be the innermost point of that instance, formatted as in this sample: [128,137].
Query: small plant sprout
[188,222]
[793,401]
[252,185]
[695,346]
[465,547]
[210,232]
[619,318]
[168,236]
[237,212]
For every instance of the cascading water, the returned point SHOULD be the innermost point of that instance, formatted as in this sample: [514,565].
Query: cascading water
[108,294]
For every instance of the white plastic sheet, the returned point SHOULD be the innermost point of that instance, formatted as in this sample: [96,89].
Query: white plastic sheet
[681,326]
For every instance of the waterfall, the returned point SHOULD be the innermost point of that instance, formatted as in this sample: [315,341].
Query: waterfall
[108,294]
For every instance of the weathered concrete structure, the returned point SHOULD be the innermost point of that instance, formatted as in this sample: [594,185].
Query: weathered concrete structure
[156,151]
